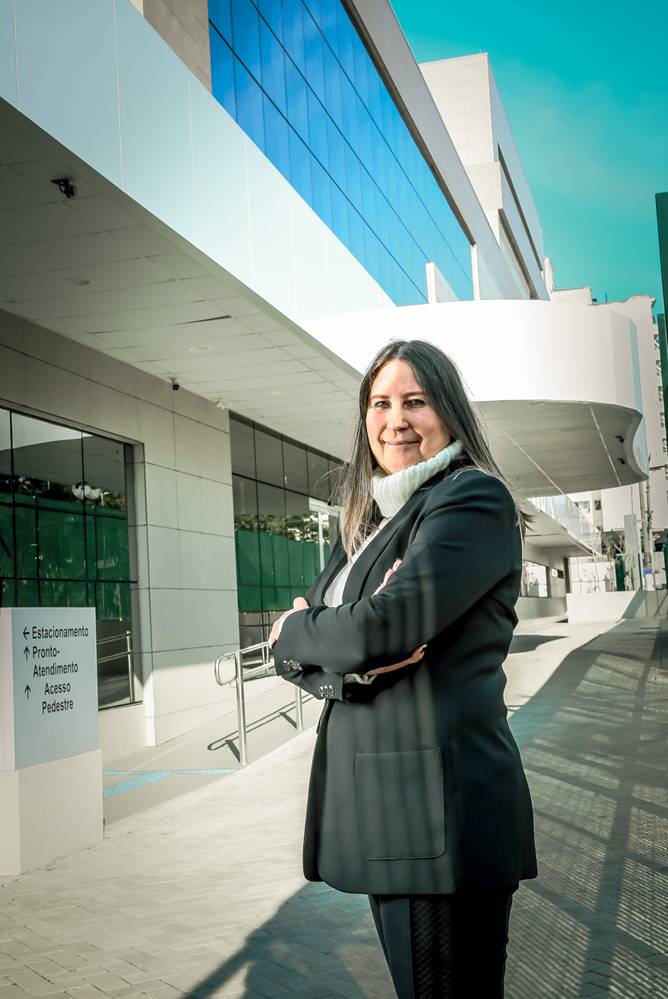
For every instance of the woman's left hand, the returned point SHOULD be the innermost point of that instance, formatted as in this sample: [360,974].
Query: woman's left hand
[299,603]
[419,652]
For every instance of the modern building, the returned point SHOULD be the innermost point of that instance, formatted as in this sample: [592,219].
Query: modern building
[211,216]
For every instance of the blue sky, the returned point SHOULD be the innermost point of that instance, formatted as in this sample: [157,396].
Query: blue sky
[585,87]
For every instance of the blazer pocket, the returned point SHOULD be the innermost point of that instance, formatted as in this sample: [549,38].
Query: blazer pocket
[400,804]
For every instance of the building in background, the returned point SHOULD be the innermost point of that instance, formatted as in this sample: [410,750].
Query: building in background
[212,215]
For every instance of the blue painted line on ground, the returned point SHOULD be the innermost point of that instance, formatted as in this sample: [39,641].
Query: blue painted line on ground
[140,778]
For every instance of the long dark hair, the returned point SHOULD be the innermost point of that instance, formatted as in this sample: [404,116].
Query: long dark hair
[441,381]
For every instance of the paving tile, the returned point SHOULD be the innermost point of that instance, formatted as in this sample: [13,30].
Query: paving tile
[192,898]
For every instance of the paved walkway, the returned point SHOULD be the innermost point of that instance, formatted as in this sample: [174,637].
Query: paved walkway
[203,895]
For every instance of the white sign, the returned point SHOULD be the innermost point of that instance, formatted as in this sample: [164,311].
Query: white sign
[48,684]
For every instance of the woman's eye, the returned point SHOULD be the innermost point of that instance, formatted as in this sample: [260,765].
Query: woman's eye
[413,403]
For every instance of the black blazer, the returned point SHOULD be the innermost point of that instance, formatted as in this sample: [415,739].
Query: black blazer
[417,784]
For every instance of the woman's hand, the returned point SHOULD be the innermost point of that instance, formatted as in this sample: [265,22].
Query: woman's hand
[299,603]
[419,652]
[414,658]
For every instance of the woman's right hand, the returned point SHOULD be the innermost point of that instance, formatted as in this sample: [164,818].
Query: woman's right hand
[419,652]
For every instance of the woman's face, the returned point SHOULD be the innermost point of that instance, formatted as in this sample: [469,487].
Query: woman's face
[402,426]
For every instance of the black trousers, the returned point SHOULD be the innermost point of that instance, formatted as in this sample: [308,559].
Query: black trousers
[445,946]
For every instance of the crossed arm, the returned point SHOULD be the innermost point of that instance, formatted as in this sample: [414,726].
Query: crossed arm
[462,547]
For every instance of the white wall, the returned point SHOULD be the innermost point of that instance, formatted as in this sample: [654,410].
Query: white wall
[185,600]
[100,80]
[638,310]
[508,349]
[469,102]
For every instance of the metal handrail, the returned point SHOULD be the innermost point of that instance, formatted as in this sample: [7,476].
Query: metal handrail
[125,653]
[254,672]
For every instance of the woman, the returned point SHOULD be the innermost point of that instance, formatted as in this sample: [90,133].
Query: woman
[417,795]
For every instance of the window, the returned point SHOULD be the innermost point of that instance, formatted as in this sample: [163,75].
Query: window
[534,580]
[282,526]
[249,105]
[64,538]
[297,70]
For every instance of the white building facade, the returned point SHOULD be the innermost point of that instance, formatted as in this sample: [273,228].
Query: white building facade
[210,221]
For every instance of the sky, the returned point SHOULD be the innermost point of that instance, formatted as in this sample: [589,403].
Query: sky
[585,88]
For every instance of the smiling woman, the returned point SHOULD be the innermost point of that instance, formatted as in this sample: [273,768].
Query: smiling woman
[417,796]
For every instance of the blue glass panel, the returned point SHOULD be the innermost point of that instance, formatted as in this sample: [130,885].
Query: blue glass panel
[296,94]
[368,199]
[387,122]
[373,97]
[315,7]
[340,208]
[378,157]
[364,126]
[391,182]
[313,45]
[358,165]
[345,35]
[246,34]
[360,65]
[317,128]
[222,74]
[382,218]
[322,199]
[272,12]
[371,251]
[333,102]
[350,101]
[329,22]
[337,154]
[293,32]
[276,143]
[356,228]
[221,16]
[273,67]
[300,167]
[249,105]
[353,177]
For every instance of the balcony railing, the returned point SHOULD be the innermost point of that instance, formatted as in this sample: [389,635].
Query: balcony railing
[574,520]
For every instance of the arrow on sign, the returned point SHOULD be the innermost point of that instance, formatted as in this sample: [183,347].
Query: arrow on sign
[26,632]
[26,652]
[27,691]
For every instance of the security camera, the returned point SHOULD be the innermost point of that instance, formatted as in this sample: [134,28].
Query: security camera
[175,385]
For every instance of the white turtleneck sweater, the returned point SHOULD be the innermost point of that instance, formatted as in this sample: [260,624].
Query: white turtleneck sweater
[390,493]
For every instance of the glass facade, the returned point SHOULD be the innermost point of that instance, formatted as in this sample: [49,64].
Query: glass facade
[283,527]
[298,79]
[64,533]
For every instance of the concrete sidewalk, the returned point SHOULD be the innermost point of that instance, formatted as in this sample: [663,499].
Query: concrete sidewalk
[203,895]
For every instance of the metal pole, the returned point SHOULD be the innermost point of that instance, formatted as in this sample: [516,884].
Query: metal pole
[131,672]
[299,712]
[241,708]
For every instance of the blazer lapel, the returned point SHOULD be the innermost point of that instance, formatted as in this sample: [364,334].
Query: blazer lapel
[335,562]
[359,573]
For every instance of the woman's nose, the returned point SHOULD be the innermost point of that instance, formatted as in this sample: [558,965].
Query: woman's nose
[396,418]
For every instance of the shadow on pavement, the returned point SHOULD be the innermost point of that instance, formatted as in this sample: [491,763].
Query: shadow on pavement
[595,923]
[527,643]
[320,943]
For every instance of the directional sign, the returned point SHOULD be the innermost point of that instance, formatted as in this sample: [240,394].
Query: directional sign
[48,674]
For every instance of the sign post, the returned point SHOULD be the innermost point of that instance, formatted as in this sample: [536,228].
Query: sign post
[50,761]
